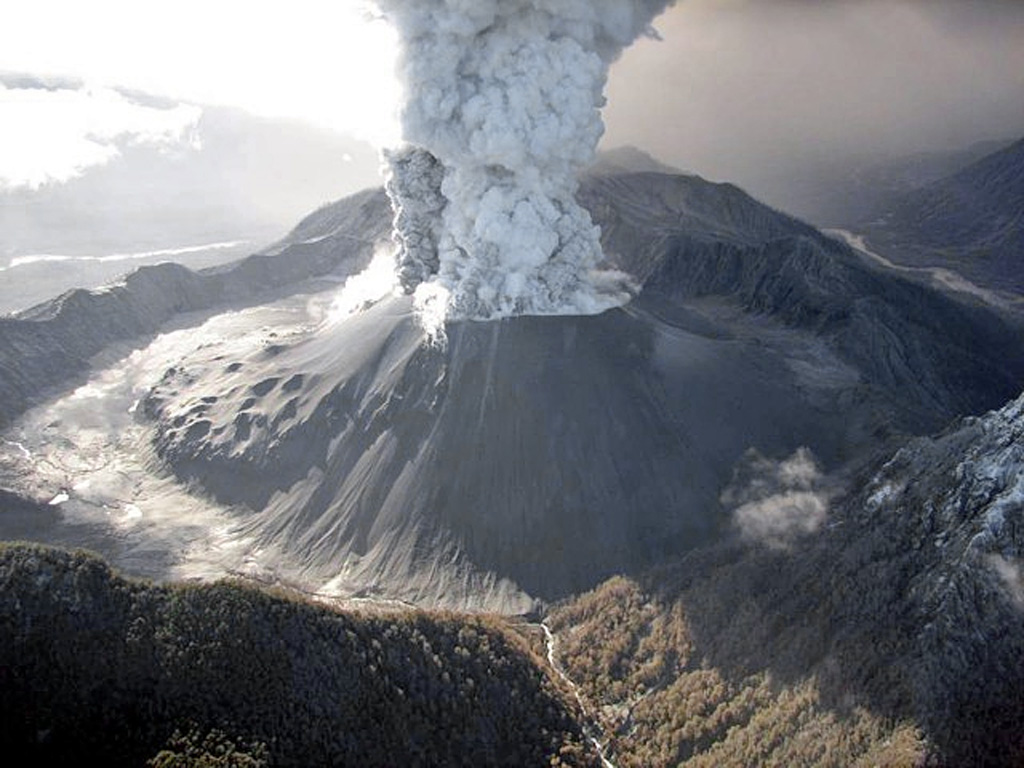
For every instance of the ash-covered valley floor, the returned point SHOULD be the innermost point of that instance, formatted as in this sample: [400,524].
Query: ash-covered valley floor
[88,453]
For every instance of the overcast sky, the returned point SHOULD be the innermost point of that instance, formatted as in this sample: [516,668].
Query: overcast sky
[739,90]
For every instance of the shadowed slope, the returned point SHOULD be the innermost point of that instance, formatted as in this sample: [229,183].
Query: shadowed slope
[546,450]
[537,455]
[972,222]
[93,663]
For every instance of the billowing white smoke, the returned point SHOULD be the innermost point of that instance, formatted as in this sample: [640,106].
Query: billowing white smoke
[501,112]
[777,502]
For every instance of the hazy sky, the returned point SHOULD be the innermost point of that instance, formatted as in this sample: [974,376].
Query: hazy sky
[739,90]
[742,90]
[315,59]
[320,61]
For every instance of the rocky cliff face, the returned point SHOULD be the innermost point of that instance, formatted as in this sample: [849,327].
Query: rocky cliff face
[957,503]
[687,239]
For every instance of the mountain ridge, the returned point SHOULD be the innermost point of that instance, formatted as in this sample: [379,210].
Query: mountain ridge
[338,437]
[971,221]
[49,345]
[902,611]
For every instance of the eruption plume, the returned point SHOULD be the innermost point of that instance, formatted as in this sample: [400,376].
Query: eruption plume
[501,112]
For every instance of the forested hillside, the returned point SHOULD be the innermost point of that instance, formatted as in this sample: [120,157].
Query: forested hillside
[126,672]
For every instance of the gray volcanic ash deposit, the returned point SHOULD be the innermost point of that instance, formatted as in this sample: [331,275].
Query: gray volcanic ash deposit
[523,458]
[551,451]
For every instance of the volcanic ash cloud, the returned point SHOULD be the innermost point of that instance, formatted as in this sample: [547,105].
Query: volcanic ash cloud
[501,113]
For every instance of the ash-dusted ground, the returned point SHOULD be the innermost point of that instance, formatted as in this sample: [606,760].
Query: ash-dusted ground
[87,456]
[545,451]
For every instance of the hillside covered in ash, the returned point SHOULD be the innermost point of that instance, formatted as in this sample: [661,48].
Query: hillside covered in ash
[48,347]
[533,456]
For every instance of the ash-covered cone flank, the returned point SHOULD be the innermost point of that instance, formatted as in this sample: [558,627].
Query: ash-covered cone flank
[532,456]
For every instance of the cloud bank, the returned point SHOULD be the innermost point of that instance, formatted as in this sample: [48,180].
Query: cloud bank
[53,131]
[785,97]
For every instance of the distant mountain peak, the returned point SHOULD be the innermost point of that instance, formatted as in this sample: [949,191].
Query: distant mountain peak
[629,159]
